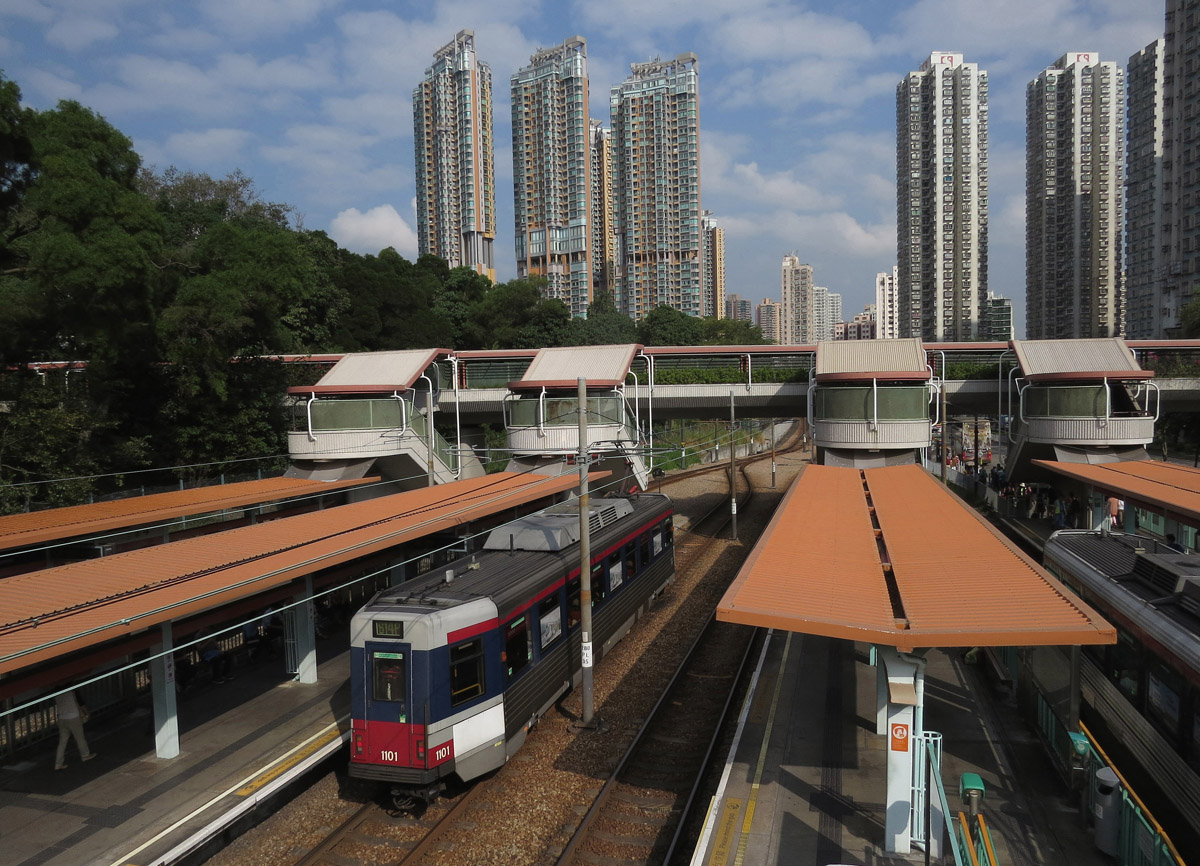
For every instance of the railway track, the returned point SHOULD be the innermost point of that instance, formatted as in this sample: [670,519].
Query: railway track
[642,783]
[642,811]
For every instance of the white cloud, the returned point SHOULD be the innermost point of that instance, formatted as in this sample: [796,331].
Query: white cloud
[377,229]
[75,33]
[251,20]
[50,86]
[214,147]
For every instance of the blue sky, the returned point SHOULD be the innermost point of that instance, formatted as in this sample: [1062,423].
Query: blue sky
[312,99]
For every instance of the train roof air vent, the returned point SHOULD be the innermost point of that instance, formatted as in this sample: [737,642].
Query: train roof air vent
[557,527]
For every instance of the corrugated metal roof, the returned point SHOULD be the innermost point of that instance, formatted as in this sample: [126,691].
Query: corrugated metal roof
[1067,359]
[853,359]
[373,372]
[60,610]
[1162,486]
[563,366]
[822,568]
[56,524]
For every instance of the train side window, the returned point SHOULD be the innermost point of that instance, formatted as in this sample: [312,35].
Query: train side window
[550,620]
[388,678]
[644,549]
[1164,696]
[1124,668]
[518,648]
[669,531]
[599,588]
[656,542]
[630,560]
[616,571]
[466,671]
[573,606]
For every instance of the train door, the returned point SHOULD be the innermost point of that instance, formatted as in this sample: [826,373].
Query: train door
[388,703]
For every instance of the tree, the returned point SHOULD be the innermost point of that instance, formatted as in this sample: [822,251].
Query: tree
[731,332]
[506,317]
[605,325]
[665,326]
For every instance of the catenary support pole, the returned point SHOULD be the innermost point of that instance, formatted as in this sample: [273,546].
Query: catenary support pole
[732,472]
[585,559]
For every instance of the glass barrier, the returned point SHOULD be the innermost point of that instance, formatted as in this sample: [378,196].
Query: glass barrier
[564,412]
[357,415]
[858,403]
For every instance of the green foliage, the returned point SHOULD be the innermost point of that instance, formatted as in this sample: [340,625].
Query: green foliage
[973,370]
[665,326]
[605,325]
[731,332]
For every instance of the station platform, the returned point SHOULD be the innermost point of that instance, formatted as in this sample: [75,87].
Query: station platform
[129,807]
[805,782]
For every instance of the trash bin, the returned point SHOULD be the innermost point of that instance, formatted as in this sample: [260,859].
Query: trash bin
[1107,810]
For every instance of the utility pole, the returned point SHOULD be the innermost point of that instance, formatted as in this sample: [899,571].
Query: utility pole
[772,453]
[732,471]
[945,428]
[585,561]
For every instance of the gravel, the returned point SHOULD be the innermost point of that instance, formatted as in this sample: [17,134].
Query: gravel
[527,811]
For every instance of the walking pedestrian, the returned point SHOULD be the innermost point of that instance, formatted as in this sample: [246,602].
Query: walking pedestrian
[70,715]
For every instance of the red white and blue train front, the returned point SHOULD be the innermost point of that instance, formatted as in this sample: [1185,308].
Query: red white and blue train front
[417,713]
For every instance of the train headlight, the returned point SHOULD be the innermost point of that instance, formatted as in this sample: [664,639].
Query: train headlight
[421,749]
[359,746]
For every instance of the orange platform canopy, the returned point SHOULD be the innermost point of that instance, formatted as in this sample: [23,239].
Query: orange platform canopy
[889,556]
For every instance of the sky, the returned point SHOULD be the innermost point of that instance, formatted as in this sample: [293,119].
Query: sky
[312,99]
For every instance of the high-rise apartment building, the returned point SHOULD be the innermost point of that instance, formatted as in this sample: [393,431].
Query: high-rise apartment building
[766,316]
[656,168]
[452,138]
[552,186]
[999,318]
[862,327]
[604,235]
[826,313]
[942,199]
[796,304]
[713,238]
[887,305]
[1181,155]
[1150,309]
[738,308]
[1074,199]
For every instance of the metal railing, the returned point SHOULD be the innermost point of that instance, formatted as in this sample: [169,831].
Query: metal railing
[1141,840]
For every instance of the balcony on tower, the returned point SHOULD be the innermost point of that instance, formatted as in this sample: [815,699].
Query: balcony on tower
[541,415]
[870,402]
[1080,401]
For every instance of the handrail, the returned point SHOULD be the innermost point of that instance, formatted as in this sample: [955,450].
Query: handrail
[1132,794]
[312,437]
[965,830]
[985,836]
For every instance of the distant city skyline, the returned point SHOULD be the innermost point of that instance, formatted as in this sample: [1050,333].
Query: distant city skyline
[313,101]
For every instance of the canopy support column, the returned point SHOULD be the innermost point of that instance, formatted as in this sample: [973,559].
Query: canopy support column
[306,635]
[162,687]
[901,705]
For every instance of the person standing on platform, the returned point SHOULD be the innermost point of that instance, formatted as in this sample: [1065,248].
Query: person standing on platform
[1114,513]
[71,715]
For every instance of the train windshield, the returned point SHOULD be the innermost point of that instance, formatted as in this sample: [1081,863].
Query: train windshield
[388,677]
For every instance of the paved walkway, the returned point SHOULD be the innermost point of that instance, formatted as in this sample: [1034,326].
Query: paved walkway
[806,783]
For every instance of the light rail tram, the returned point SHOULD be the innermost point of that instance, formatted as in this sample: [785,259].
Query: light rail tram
[451,669]
[1141,697]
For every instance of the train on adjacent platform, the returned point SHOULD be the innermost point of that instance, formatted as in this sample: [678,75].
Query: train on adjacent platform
[1141,696]
[451,669]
